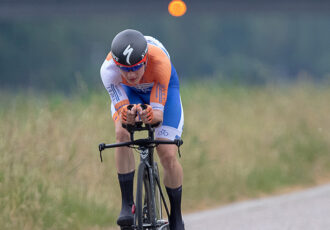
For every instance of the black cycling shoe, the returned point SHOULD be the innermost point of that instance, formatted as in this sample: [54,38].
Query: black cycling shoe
[125,220]
[126,217]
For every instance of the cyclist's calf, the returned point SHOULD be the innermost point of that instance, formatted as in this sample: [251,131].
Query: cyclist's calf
[173,174]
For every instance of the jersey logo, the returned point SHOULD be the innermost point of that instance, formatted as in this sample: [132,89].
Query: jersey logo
[144,87]
[128,51]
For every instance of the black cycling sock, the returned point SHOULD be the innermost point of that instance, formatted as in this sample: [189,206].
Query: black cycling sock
[126,187]
[174,195]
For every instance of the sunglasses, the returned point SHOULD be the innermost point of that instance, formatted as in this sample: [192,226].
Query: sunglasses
[129,69]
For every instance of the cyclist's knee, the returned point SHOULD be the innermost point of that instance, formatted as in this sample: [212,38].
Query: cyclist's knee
[167,157]
[121,134]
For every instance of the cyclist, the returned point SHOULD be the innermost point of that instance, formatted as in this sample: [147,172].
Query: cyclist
[138,70]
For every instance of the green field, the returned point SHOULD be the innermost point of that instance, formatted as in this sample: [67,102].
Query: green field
[239,143]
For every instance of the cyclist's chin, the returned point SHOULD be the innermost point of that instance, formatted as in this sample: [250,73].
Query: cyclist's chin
[133,81]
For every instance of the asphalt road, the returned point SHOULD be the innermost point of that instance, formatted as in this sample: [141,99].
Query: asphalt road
[305,210]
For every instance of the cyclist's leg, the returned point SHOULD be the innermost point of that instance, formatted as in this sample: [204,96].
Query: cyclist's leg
[125,167]
[171,129]
[173,174]
[124,156]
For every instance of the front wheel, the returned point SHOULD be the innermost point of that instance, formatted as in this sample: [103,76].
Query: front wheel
[158,200]
[144,213]
[162,224]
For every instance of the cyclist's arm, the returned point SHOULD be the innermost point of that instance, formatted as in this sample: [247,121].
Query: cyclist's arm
[111,80]
[159,72]
[148,115]
[158,117]
[158,99]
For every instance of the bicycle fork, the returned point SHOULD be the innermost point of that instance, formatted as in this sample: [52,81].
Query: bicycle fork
[147,159]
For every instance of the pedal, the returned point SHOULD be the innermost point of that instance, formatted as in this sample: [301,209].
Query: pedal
[166,226]
[162,222]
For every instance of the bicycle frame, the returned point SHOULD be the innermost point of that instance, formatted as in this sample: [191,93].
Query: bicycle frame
[146,150]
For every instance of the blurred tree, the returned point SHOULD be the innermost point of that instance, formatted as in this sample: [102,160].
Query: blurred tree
[55,52]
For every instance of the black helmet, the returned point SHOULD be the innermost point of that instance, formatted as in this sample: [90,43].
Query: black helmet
[129,48]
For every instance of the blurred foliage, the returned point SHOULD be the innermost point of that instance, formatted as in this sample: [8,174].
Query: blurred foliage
[56,53]
[256,141]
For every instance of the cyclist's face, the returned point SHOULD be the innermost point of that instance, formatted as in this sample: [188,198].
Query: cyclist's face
[133,77]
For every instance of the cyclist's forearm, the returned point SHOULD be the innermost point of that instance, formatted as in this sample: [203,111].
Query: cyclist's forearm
[158,116]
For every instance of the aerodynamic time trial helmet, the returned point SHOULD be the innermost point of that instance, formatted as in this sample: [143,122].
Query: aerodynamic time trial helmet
[129,48]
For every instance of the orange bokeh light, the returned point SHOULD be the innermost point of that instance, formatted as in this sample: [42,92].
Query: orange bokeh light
[177,8]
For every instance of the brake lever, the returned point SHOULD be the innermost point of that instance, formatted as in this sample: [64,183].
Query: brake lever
[101,148]
[179,142]
[101,156]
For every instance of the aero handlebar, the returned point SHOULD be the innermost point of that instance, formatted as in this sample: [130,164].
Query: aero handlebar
[146,143]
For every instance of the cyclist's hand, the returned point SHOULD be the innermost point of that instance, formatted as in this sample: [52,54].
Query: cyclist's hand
[128,115]
[146,115]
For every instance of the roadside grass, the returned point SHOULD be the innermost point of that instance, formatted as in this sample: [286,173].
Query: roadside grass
[239,143]
[253,141]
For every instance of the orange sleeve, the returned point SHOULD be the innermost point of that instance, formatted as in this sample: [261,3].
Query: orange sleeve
[159,70]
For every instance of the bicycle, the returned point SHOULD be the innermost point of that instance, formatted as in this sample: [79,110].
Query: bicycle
[148,212]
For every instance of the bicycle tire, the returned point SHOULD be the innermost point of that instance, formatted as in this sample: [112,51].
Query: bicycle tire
[158,199]
[144,210]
